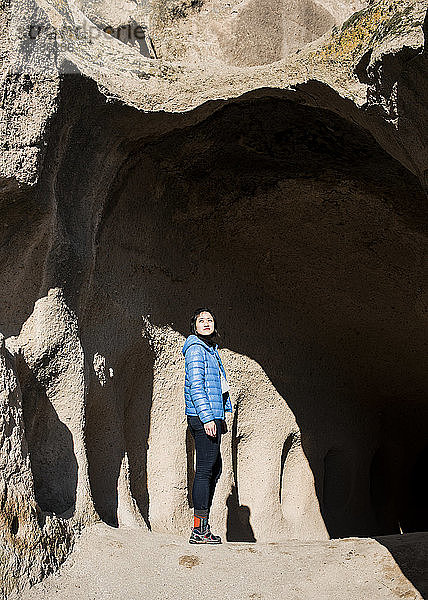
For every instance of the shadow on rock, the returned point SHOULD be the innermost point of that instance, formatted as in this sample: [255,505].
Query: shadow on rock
[410,552]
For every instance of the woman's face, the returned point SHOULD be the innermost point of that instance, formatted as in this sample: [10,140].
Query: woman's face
[205,323]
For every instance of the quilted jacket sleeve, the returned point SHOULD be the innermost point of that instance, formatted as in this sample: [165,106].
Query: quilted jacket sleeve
[195,369]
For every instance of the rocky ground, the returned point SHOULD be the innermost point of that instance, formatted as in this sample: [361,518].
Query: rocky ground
[267,159]
[129,564]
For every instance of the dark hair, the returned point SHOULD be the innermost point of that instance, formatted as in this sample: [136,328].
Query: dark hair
[196,315]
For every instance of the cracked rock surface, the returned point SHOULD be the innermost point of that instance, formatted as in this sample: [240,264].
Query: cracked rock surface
[268,159]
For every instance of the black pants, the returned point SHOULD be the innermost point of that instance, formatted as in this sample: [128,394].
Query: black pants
[208,463]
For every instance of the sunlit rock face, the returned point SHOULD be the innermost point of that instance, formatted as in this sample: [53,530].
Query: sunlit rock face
[241,33]
[294,212]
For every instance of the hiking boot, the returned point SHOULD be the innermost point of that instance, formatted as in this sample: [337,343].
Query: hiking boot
[196,537]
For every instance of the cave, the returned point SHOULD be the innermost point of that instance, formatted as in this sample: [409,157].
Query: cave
[266,160]
[303,234]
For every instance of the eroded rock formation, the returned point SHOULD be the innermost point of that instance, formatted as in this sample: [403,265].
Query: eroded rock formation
[280,179]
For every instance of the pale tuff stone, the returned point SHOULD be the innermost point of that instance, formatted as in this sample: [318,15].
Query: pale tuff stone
[266,158]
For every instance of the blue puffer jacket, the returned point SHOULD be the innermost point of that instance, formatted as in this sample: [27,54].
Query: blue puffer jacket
[202,385]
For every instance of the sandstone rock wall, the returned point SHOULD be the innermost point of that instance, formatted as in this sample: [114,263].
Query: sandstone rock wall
[289,196]
[32,542]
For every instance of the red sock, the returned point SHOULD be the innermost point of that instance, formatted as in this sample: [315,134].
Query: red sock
[200,523]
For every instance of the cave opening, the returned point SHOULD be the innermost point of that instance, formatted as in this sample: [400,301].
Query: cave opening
[306,237]
[414,515]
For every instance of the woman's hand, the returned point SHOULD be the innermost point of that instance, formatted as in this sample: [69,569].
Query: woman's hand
[210,428]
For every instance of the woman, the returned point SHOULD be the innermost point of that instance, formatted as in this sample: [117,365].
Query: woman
[207,398]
